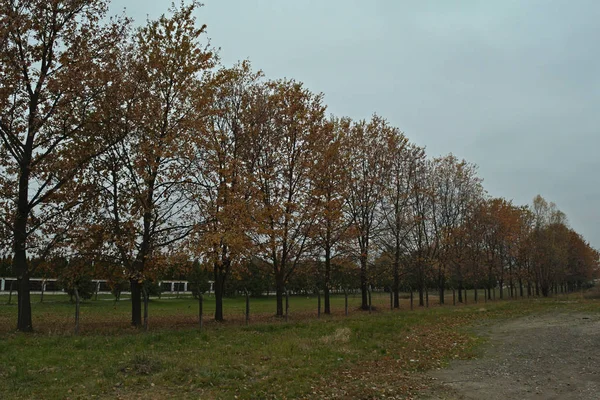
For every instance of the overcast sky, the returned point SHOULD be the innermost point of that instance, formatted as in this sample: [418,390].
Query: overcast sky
[511,85]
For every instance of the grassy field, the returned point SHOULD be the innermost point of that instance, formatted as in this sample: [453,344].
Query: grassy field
[378,355]
[57,314]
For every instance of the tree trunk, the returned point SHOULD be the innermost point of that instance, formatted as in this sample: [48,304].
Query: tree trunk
[219,289]
[136,303]
[327,308]
[24,323]
[279,292]
[247,307]
[20,265]
[441,284]
[76,310]
[327,279]
[346,302]
[318,303]
[146,301]
[24,320]
[287,305]
[200,310]
[396,285]
[421,297]
[12,284]
[364,286]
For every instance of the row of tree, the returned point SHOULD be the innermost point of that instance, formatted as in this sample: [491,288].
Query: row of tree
[133,152]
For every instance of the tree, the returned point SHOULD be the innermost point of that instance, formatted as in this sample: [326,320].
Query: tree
[368,161]
[456,189]
[422,240]
[329,183]
[143,212]
[493,237]
[55,66]
[500,232]
[522,256]
[75,277]
[287,122]
[220,185]
[582,262]
[550,241]
[199,278]
[6,266]
[396,205]
[256,277]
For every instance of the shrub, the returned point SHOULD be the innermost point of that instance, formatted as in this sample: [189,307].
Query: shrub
[85,287]
[198,279]
[118,287]
[152,288]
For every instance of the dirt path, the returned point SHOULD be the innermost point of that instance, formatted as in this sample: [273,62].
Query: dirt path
[549,356]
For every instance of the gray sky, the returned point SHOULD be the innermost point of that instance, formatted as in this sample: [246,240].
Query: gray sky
[511,85]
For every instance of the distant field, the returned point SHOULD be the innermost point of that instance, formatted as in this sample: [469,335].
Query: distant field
[379,355]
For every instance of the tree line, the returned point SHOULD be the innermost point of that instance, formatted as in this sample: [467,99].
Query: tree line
[133,153]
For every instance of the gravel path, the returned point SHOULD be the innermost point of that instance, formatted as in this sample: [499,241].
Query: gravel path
[548,356]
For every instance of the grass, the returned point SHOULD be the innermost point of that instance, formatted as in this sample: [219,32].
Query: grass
[361,355]
[56,313]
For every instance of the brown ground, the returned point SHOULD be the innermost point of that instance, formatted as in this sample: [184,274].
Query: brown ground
[547,356]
